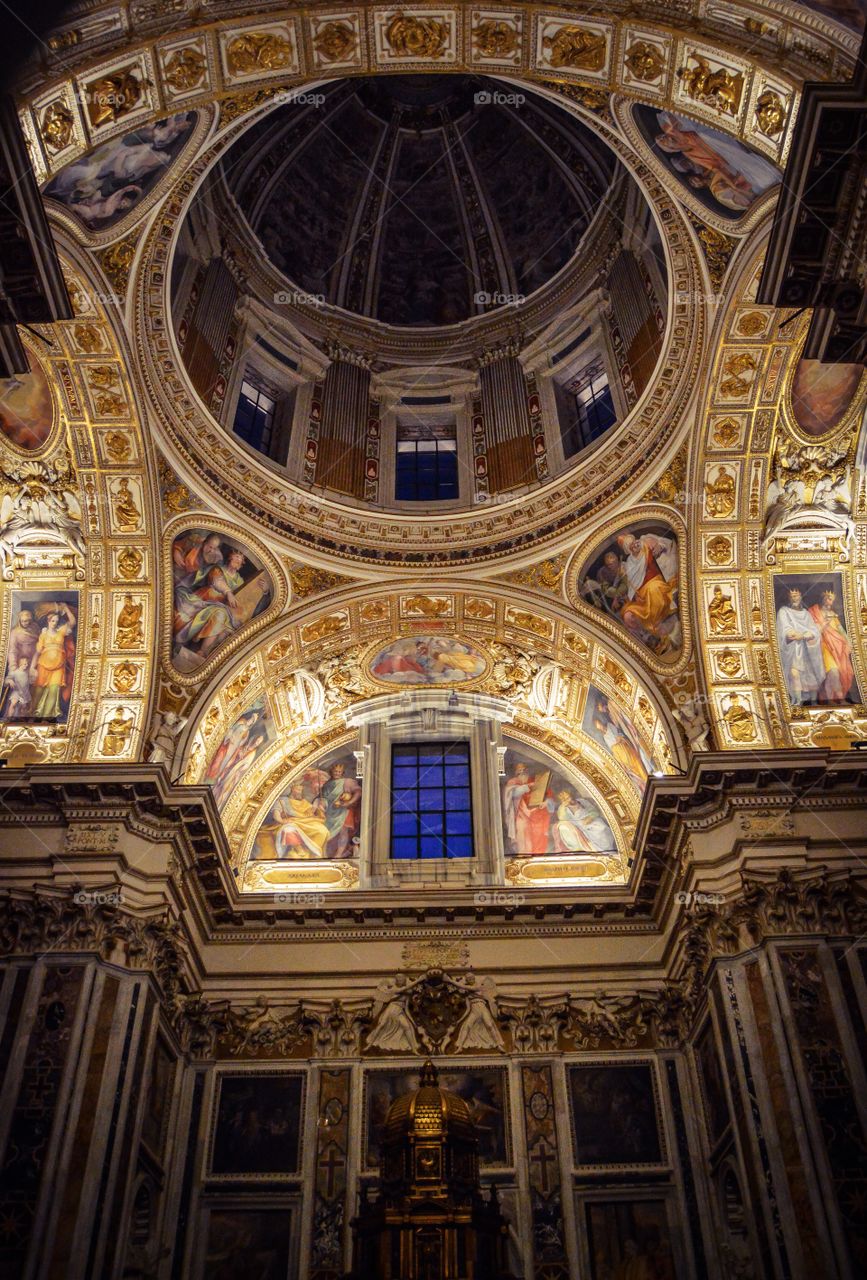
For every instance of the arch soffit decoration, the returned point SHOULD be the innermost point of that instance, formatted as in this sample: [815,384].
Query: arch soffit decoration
[334,641]
[748,441]
[98,538]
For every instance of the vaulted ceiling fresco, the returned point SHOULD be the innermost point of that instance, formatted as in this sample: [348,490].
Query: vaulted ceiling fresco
[381,234]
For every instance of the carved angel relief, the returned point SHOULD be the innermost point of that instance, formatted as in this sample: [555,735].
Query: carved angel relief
[435,1012]
[40,506]
[810,489]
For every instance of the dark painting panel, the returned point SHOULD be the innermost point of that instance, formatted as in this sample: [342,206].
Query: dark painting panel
[629,1240]
[247,1244]
[710,1079]
[159,1090]
[822,394]
[484,1089]
[26,407]
[257,1125]
[615,1114]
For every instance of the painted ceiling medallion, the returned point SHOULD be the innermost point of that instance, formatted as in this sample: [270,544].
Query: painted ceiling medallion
[428,660]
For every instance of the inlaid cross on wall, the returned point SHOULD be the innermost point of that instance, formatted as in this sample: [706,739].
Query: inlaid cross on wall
[331,1163]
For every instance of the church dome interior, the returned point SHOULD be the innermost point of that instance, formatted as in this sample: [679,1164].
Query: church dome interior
[419,200]
[459,234]
[433,641]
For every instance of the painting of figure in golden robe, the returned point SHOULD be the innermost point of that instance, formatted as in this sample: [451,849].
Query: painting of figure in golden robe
[318,816]
[219,586]
[40,657]
[634,577]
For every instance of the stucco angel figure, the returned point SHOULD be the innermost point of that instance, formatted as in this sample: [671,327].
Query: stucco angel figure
[36,511]
[164,737]
[479,1028]
[690,715]
[393,1028]
[810,490]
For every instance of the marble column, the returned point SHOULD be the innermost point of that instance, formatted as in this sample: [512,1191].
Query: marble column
[73,1055]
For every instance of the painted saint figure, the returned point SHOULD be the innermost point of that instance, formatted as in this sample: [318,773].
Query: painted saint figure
[52,664]
[651,574]
[427,660]
[242,743]
[300,829]
[319,816]
[528,808]
[342,799]
[105,184]
[17,683]
[836,649]
[621,740]
[633,576]
[579,825]
[800,643]
[213,596]
[545,813]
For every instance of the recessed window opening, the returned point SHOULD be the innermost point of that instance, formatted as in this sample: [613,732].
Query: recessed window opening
[427,462]
[595,405]
[431,805]
[254,416]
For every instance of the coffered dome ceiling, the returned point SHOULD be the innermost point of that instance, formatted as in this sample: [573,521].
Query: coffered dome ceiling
[419,200]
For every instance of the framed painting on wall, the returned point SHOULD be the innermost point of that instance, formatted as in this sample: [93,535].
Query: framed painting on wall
[616,1117]
[243,1243]
[40,657]
[256,1125]
[630,1239]
[711,1086]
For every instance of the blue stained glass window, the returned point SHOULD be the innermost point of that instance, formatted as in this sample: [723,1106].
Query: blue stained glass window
[431,807]
[427,470]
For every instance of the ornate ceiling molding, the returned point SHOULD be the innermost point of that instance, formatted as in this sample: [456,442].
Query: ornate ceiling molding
[187,57]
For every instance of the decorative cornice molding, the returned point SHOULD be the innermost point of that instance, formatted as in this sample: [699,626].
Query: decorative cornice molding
[89,921]
[140,799]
